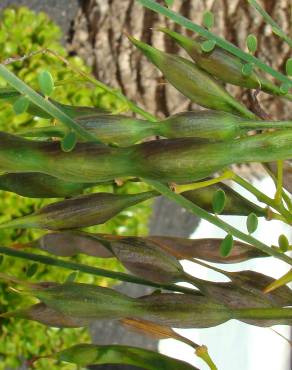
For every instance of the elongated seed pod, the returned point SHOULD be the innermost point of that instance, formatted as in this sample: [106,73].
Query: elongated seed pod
[207,249]
[110,129]
[48,316]
[223,65]
[82,211]
[172,160]
[12,95]
[39,185]
[191,81]
[123,131]
[235,204]
[91,354]
[69,243]
[145,259]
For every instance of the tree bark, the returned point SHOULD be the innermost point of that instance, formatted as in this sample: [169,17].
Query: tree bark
[101,39]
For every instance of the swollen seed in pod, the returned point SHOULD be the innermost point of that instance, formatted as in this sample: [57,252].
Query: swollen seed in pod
[223,65]
[206,249]
[235,204]
[207,124]
[82,211]
[191,81]
[48,316]
[68,244]
[147,260]
[86,301]
[92,354]
[184,310]
[40,185]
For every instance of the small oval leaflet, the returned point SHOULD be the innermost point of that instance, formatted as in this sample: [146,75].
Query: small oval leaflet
[226,245]
[283,243]
[208,45]
[208,19]
[46,83]
[32,269]
[71,277]
[289,67]
[20,106]
[69,141]
[247,69]
[169,3]
[252,223]
[285,86]
[219,201]
[252,43]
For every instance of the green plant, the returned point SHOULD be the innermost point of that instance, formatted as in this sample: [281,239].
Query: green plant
[172,167]
[21,32]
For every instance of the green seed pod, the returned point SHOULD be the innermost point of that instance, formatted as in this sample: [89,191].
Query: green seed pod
[68,244]
[206,249]
[192,82]
[223,65]
[91,354]
[175,160]
[39,185]
[12,95]
[48,316]
[145,259]
[184,310]
[235,204]
[86,301]
[110,129]
[82,211]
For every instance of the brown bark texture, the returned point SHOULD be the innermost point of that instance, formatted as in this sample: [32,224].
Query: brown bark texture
[100,37]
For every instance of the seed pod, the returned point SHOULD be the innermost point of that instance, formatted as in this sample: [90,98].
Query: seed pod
[184,310]
[86,301]
[82,211]
[175,160]
[192,82]
[12,95]
[68,244]
[91,354]
[145,259]
[39,185]
[205,249]
[110,129]
[223,65]
[48,316]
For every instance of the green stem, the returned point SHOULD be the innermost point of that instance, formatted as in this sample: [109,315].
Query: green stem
[43,103]
[274,313]
[279,190]
[224,44]
[276,28]
[200,212]
[263,197]
[91,270]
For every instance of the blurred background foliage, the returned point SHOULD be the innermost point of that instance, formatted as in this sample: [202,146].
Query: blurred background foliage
[21,32]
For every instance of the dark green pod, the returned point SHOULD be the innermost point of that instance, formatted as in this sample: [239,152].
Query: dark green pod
[235,204]
[191,81]
[11,95]
[48,316]
[173,160]
[82,211]
[39,185]
[110,129]
[223,65]
[91,354]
